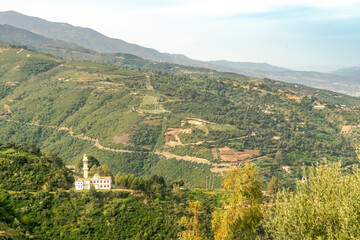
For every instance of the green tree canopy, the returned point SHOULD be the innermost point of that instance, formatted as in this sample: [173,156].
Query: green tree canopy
[325,206]
[274,185]
[240,212]
[92,162]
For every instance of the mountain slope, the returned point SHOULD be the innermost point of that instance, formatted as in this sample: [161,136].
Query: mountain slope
[71,51]
[96,41]
[236,66]
[177,126]
[25,168]
[350,72]
[23,37]
[88,38]
[85,37]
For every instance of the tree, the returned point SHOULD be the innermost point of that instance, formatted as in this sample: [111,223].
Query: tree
[274,185]
[92,161]
[325,206]
[192,231]
[93,170]
[240,213]
[124,180]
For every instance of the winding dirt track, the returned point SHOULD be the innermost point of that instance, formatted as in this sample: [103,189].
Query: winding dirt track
[186,158]
[95,141]
[97,144]
[215,167]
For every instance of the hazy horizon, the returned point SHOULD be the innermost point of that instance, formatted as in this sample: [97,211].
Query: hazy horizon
[300,35]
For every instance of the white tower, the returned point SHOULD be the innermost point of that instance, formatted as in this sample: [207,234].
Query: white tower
[86,166]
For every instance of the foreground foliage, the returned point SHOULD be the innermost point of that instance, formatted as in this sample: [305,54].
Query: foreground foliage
[325,206]
[240,213]
[192,231]
[28,210]
[94,215]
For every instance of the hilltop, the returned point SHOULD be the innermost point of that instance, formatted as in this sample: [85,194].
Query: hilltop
[191,126]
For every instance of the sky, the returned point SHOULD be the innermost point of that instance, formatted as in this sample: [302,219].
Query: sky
[321,35]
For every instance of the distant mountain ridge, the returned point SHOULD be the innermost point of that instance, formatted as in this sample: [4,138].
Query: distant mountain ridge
[345,81]
[96,41]
[234,66]
[12,34]
[350,72]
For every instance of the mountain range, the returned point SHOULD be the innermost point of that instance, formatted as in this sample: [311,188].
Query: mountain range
[351,72]
[67,36]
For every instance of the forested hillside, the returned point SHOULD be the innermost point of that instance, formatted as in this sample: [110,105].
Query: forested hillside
[159,211]
[191,125]
[36,203]
[25,168]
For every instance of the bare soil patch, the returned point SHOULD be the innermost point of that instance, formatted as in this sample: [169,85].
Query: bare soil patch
[123,139]
[286,168]
[220,170]
[11,83]
[347,128]
[293,97]
[152,122]
[159,111]
[172,139]
[7,108]
[229,155]
[186,158]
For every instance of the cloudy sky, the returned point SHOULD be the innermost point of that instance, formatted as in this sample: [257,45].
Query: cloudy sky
[298,34]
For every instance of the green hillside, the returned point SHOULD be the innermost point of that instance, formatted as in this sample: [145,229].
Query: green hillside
[191,125]
[36,203]
[25,168]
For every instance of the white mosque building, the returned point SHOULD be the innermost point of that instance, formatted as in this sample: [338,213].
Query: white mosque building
[97,181]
